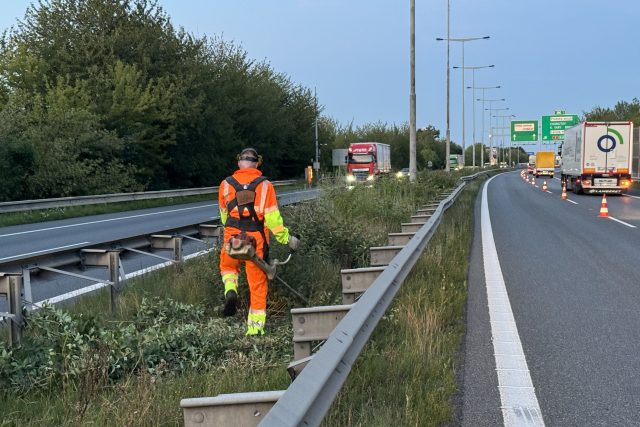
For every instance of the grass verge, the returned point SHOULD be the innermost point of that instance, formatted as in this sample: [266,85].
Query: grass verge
[167,351]
[407,374]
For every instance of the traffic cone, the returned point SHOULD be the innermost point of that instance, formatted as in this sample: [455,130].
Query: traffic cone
[544,185]
[564,191]
[533,181]
[604,210]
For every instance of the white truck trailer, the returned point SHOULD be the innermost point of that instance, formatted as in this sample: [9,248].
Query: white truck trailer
[596,157]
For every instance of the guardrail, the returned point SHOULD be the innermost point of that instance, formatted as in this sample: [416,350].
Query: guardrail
[64,202]
[319,377]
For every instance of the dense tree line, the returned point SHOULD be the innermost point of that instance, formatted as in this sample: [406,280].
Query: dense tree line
[105,96]
[622,111]
[429,146]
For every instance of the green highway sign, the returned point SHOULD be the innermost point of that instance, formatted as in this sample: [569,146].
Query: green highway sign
[524,131]
[553,126]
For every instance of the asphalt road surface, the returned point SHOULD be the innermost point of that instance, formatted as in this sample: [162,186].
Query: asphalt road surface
[572,282]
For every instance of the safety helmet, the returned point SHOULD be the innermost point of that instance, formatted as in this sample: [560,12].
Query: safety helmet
[251,155]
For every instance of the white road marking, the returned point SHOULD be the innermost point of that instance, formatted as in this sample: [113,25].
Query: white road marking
[571,201]
[549,192]
[629,195]
[622,222]
[557,179]
[44,250]
[104,220]
[518,397]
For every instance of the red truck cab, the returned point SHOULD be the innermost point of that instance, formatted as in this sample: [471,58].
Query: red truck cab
[366,160]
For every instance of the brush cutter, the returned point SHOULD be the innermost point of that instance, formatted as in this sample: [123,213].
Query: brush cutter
[243,246]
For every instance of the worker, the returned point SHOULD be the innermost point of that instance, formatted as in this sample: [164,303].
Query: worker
[248,205]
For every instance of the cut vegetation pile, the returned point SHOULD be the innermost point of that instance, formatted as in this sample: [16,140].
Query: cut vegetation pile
[168,340]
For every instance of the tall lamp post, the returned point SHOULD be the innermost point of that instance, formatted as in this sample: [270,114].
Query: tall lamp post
[412,94]
[473,79]
[463,41]
[491,110]
[503,128]
[483,89]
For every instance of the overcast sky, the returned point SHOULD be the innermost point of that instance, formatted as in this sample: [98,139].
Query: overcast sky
[548,54]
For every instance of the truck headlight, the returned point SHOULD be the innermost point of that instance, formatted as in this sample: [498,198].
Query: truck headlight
[370,178]
[399,175]
[351,178]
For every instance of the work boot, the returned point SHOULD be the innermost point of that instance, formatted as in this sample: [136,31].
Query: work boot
[230,303]
[255,323]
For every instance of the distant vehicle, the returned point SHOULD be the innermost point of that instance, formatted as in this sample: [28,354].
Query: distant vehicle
[503,165]
[367,160]
[532,163]
[402,173]
[455,161]
[544,164]
[596,157]
[558,161]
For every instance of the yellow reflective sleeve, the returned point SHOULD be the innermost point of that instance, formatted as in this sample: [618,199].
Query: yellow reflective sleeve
[223,216]
[274,222]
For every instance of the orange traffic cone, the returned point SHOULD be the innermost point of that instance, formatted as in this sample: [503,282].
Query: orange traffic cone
[544,186]
[564,191]
[604,210]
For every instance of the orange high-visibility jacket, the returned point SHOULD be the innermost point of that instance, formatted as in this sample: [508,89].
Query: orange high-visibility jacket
[265,204]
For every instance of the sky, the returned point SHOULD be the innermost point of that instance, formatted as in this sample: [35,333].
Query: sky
[549,55]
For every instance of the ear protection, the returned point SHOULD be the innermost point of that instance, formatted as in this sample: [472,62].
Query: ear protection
[250,158]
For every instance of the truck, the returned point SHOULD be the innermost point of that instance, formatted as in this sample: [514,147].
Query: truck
[455,161]
[531,164]
[367,160]
[544,164]
[596,157]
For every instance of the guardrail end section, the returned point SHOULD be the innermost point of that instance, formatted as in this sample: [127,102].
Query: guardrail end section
[237,409]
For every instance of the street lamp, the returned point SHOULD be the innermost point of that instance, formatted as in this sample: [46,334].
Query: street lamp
[463,41]
[473,74]
[503,128]
[483,89]
[448,133]
[491,110]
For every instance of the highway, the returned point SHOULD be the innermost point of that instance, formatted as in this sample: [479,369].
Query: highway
[571,284]
[21,241]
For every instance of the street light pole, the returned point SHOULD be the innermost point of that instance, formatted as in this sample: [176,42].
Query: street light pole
[463,41]
[502,134]
[491,110]
[317,162]
[412,96]
[473,74]
[448,148]
[483,110]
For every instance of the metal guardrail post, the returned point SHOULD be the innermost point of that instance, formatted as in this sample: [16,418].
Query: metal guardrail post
[114,278]
[411,227]
[400,239]
[382,255]
[11,287]
[356,281]
[238,409]
[26,284]
[314,324]
[177,252]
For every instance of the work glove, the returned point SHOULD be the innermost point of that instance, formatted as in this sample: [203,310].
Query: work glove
[294,242]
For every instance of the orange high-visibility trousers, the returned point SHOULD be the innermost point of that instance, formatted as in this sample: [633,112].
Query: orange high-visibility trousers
[230,268]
